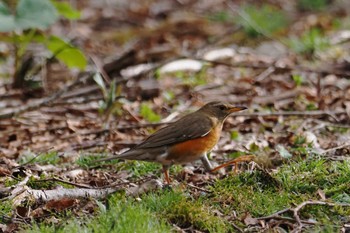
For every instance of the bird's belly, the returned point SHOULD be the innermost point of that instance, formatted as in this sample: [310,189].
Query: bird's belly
[193,149]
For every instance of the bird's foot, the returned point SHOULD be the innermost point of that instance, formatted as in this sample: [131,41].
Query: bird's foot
[244,158]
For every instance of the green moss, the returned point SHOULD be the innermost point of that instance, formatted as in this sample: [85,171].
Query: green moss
[260,195]
[250,192]
[5,210]
[184,212]
[10,181]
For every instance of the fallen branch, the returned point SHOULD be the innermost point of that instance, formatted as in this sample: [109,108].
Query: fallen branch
[336,148]
[199,188]
[55,194]
[297,209]
[296,218]
[24,193]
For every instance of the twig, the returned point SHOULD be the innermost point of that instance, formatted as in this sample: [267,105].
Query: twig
[276,214]
[139,181]
[66,182]
[236,227]
[199,188]
[265,74]
[336,148]
[296,210]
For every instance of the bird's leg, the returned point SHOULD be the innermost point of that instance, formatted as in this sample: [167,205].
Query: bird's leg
[165,170]
[244,158]
[207,165]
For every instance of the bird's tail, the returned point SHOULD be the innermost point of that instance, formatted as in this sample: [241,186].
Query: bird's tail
[139,154]
[130,154]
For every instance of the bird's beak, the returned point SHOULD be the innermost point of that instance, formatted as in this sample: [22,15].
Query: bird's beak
[237,108]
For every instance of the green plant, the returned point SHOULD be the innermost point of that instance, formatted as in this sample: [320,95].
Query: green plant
[88,160]
[298,79]
[118,216]
[235,135]
[43,158]
[147,113]
[5,210]
[309,43]
[264,20]
[109,105]
[25,26]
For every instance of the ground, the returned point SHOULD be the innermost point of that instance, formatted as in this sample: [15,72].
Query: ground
[149,63]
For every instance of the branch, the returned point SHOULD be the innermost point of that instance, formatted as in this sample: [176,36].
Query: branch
[296,210]
[336,148]
[25,193]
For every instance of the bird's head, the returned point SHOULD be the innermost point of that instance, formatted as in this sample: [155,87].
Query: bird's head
[220,110]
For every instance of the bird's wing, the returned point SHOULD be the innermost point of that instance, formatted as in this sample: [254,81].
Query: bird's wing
[188,127]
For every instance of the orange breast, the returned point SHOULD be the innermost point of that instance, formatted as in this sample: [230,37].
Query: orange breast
[191,150]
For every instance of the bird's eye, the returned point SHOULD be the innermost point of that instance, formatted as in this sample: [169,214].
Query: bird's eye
[222,107]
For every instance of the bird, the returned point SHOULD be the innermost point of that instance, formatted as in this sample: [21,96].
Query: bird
[188,139]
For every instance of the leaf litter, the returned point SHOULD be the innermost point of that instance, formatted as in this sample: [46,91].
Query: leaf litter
[52,146]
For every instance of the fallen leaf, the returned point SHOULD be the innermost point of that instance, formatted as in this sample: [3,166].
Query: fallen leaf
[249,220]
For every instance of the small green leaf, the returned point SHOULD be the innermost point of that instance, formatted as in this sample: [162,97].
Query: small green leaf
[147,113]
[66,10]
[298,79]
[234,135]
[65,52]
[283,152]
[254,147]
[73,57]
[99,80]
[35,14]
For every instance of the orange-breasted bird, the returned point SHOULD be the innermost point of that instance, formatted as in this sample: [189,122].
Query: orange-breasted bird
[188,139]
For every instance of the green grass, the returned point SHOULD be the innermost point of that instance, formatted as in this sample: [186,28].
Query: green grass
[309,43]
[43,159]
[258,193]
[89,160]
[120,216]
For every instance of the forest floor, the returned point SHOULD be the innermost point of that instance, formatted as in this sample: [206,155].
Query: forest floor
[151,62]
